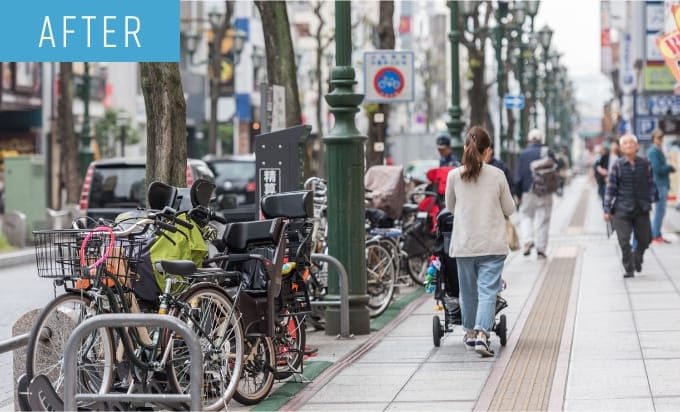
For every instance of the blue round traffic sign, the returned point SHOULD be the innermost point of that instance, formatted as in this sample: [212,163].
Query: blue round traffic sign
[388,82]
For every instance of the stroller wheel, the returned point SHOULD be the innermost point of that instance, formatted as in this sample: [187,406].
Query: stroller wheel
[437,331]
[502,330]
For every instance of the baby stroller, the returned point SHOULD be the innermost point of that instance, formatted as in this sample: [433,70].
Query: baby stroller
[443,282]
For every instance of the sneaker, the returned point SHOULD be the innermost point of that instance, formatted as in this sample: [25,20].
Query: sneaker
[659,240]
[541,255]
[469,342]
[628,275]
[483,348]
[527,248]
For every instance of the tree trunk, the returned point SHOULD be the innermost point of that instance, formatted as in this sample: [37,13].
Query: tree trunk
[71,170]
[281,68]
[166,144]
[377,131]
[477,95]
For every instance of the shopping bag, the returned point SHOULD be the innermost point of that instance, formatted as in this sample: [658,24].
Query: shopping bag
[511,234]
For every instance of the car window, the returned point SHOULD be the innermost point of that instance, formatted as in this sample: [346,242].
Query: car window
[237,171]
[117,186]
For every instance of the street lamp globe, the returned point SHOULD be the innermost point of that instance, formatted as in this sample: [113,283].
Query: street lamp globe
[545,36]
[533,41]
[555,59]
[532,7]
[215,18]
[468,8]
[191,41]
[519,13]
[239,41]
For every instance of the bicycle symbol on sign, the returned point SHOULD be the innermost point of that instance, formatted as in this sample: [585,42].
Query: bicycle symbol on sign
[388,82]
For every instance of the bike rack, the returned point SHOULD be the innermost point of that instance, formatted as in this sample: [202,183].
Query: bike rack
[344,293]
[132,320]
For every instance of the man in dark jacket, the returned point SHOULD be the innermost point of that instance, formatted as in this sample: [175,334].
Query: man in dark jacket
[446,156]
[535,210]
[627,202]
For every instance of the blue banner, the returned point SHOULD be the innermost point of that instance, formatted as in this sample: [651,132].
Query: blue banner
[87,30]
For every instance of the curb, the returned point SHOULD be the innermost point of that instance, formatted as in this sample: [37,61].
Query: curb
[18,257]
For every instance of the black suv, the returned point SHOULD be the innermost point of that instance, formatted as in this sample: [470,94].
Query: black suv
[114,186]
[235,180]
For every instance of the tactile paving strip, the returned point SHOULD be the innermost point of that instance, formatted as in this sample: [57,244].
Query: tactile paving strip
[527,380]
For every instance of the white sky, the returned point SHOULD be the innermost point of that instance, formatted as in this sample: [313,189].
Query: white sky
[576,34]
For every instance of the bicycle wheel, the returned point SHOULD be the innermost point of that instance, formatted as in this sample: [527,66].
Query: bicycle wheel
[380,278]
[47,341]
[217,325]
[257,378]
[417,267]
[290,339]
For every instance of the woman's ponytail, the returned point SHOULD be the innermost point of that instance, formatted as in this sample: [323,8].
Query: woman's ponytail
[477,142]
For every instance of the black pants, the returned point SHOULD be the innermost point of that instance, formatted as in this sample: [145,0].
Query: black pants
[640,226]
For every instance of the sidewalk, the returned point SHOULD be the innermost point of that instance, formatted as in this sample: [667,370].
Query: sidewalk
[617,346]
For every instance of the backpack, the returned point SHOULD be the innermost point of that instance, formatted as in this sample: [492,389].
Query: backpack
[544,171]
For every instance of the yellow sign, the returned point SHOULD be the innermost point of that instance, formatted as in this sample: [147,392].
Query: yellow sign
[659,78]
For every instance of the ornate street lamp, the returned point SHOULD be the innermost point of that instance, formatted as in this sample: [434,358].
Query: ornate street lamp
[214,61]
[86,154]
[122,121]
[545,37]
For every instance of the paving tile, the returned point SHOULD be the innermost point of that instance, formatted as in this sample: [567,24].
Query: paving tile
[619,404]
[431,406]
[357,392]
[400,350]
[658,320]
[660,345]
[592,379]
[454,393]
[604,303]
[647,301]
[639,284]
[610,321]
[371,368]
[585,347]
[667,404]
[354,406]
[663,376]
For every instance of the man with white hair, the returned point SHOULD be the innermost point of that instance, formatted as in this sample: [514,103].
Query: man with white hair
[534,209]
[630,193]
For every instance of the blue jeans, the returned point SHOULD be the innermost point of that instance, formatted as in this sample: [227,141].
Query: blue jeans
[659,212]
[479,278]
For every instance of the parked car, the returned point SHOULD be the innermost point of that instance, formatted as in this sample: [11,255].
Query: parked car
[114,186]
[235,180]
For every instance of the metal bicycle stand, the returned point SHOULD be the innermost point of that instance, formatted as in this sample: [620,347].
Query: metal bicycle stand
[344,293]
[132,320]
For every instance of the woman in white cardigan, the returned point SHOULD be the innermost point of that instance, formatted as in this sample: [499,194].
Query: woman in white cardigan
[480,199]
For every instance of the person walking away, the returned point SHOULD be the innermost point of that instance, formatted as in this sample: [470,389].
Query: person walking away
[627,202]
[446,156]
[604,165]
[534,208]
[480,199]
[565,168]
[661,170]
[490,159]
[601,181]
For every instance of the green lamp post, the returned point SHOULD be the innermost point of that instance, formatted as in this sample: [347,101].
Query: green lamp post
[455,123]
[530,48]
[86,154]
[345,171]
[545,36]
